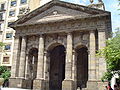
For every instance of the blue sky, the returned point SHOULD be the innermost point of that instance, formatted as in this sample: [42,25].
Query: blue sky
[110,5]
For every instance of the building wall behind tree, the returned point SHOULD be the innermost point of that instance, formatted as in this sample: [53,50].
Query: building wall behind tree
[13,9]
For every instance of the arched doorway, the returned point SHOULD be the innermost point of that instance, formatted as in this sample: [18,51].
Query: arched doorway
[57,67]
[82,66]
[32,65]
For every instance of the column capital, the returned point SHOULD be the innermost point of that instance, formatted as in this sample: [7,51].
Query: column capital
[92,31]
[27,53]
[16,36]
[23,36]
[45,52]
[69,33]
[88,51]
[73,51]
[41,34]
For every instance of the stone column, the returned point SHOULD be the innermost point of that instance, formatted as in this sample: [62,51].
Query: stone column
[39,81]
[19,82]
[102,44]
[68,68]
[40,66]
[15,62]
[22,58]
[68,82]
[45,66]
[16,56]
[46,69]
[74,70]
[27,68]
[92,83]
[92,59]
[73,66]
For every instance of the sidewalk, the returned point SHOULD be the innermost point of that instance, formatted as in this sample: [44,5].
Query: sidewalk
[13,89]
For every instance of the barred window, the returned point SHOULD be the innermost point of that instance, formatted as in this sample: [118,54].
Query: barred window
[2,6]
[13,3]
[23,1]
[1,16]
[9,35]
[12,13]
[7,47]
[6,59]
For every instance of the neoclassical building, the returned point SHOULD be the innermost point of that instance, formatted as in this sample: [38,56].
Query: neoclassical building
[55,48]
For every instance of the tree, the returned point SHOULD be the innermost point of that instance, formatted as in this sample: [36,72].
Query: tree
[1,44]
[112,56]
[5,73]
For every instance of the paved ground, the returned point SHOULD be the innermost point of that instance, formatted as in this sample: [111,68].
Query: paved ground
[13,89]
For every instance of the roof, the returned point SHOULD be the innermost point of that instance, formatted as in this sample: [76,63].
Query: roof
[56,11]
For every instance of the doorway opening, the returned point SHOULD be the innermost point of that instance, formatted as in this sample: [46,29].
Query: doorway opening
[57,67]
[82,67]
[32,65]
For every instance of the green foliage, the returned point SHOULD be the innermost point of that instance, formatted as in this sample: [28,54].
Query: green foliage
[112,55]
[4,73]
[1,44]
[107,76]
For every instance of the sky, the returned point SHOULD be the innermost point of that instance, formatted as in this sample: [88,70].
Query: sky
[110,5]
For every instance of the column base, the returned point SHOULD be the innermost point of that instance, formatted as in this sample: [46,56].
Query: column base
[101,85]
[39,84]
[95,85]
[20,83]
[68,85]
[92,85]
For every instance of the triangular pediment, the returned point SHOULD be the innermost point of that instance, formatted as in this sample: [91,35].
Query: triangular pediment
[56,13]
[58,10]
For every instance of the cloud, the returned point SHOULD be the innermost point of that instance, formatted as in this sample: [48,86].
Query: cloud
[84,1]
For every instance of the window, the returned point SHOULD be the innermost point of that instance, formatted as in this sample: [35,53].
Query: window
[2,7]
[9,35]
[7,47]
[0,26]
[6,59]
[13,3]
[23,1]
[12,13]
[1,16]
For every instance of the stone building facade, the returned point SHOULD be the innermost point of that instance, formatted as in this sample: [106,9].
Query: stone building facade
[55,47]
